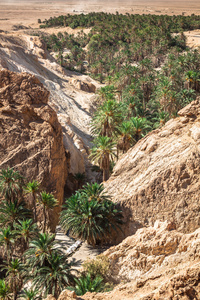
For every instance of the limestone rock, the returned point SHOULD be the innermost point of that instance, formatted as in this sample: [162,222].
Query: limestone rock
[159,177]
[31,137]
[155,264]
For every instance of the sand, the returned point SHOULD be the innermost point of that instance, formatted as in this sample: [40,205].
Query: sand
[27,13]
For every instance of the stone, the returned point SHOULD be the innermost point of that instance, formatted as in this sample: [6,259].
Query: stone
[50,297]
[67,295]
[84,85]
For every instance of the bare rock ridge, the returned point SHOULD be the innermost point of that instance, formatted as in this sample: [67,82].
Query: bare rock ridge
[159,178]
[71,94]
[155,264]
[31,138]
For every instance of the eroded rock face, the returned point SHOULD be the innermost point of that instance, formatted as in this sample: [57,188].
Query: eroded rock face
[157,264]
[159,177]
[31,137]
[71,95]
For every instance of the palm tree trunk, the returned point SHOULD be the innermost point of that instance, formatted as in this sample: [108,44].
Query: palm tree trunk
[45,218]
[34,206]
[105,174]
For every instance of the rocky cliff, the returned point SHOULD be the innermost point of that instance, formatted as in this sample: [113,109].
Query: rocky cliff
[31,138]
[159,178]
[71,93]
[156,263]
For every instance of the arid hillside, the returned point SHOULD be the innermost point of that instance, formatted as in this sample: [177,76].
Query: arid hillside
[158,179]
[155,263]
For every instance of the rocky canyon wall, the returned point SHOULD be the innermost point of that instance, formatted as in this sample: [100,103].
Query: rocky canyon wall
[159,178]
[31,138]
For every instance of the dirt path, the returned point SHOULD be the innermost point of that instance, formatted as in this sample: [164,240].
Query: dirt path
[84,252]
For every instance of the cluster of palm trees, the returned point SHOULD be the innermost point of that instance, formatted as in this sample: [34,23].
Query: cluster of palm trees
[117,39]
[115,129]
[139,99]
[175,23]
[32,263]
[32,266]
[149,72]
[90,215]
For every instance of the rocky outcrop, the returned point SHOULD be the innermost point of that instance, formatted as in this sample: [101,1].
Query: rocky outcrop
[159,178]
[155,264]
[30,134]
[84,85]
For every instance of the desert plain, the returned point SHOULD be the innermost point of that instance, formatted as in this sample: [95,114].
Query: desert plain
[27,13]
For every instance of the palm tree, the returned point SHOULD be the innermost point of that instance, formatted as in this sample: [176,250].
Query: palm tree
[95,191]
[90,215]
[7,239]
[14,276]
[14,211]
[33,188]
[107,118]
[25,230]
[4,290]
[83,218]
[79,179]
[55,277]
[125,137]
[106,93]
[140,127]
[11,183]
[48,202]
[40,250]
[103,153]
[86,284]
[30,294]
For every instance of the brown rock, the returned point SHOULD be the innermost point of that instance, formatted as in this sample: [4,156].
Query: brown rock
[159,177]
[155,264]
[84,85]
[67,295]
[30,134]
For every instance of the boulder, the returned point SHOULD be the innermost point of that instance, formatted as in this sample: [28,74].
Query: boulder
[84,85]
